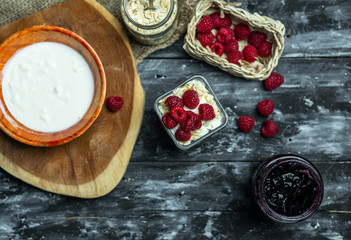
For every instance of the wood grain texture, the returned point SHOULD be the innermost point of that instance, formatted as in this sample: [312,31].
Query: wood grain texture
[93,164]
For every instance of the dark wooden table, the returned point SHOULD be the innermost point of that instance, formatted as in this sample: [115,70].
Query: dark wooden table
[205,192]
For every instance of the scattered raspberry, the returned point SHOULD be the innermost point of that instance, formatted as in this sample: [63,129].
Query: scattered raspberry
[114,103]
[168,121]
[246,123]
[265,49]
[178,114]
[215,19]
[235,57]
[269,128]
[273,81]
[231,47]
[265,107]
[250,53]
[256,38]
[225,22]
[206,39]
[193,122]
[242,31]
[205,25]
[191,99]
[182,135]
[225,35]
[217,48]
[173,101]
[206,112]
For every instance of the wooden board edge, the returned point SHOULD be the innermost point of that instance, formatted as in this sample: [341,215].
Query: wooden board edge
[118,165]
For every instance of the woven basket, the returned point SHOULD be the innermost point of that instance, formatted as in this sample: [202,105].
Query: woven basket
[262,67]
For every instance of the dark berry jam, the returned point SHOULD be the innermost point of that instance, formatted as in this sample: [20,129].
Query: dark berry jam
[288,188]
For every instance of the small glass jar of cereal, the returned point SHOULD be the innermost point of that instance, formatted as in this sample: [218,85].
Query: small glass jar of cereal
[150,25]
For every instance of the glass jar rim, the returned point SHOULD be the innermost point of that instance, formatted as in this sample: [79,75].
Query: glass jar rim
[271,164]
[171,9]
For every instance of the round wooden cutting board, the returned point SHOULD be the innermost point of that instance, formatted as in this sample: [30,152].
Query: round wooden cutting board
[93,164]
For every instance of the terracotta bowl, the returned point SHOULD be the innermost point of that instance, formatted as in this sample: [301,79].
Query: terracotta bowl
[47,33]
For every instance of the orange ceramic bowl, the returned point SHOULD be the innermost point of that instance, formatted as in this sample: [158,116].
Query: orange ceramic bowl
[47,33]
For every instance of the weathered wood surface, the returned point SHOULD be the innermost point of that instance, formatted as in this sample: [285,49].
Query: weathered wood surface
[204,193]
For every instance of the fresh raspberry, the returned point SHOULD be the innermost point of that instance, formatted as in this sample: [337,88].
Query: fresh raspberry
[250,53]
[265,107]
[225,22]
[114,103]
[168,121]
[178,114]
[217,48]
[231,47]
[273,81]
[193,122]
[265,49]
[206,112]
[269,128]
[242,31]
[215,18]
[173,101]
[246,123]
[225,35]
[205,25]
[256,38]
[206,39]
[182,135]
[235,57]
[191,99]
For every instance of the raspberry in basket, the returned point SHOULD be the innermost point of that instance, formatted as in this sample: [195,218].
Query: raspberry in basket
[173,101]
[273,81]
[265,49]
[246,123]
[225,22]
[191,99]
[234,57]
[206,39]
[250,53]
[205,25]
[217,48]
[225,35]
[265,107]
[269,128]
[215,18]
[242,31]
[256,38]
[231,47]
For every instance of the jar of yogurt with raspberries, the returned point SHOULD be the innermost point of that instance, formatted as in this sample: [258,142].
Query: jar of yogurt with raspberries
[150,25]
[191,112]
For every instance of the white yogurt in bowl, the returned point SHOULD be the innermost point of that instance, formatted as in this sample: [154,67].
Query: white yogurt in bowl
[47,86]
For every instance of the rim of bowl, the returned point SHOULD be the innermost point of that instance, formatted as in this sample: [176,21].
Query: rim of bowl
[68,137]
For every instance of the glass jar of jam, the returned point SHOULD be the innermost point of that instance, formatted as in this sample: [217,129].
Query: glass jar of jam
[288,188]
[150,26]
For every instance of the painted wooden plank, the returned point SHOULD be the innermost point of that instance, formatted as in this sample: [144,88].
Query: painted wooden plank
[312,110]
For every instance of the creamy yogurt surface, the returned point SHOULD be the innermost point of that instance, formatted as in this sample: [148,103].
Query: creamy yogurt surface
[47,86]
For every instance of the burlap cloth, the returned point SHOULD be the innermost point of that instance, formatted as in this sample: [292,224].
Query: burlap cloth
[11,10]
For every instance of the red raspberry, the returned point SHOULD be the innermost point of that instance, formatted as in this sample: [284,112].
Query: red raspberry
[182,135]
[242,31]
[173,101]
[269,128]
[215,19]
[265,49]
[206,38]
[205,25]
[168,121]
[114,103]
[225,35]
[217,48]
[235,57]
[265,107]
[273,81]
[178,114]
[225,22]
[193,122]
[206,112]
[191,99]
[231,47]
[256,38]
[250,53]
[246,123]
